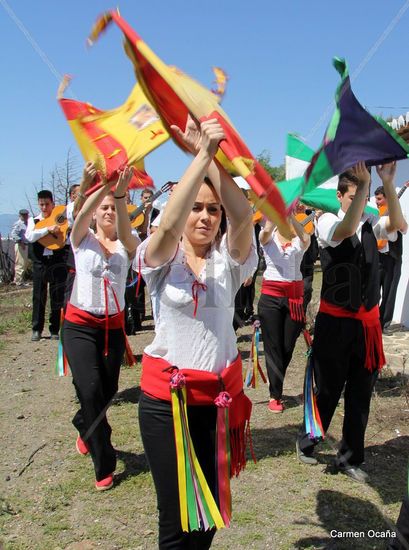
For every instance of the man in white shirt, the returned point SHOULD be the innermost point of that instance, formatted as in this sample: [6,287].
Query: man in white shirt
[390,265]
[20,248]
[49,268]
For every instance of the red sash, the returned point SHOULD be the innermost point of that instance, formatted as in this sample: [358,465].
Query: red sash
[203,388]
[293,290]
[106,323]
[81,317]
[374,356]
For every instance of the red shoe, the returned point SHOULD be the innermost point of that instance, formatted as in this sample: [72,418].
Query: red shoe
[81,446]
[105,483]
[276,406]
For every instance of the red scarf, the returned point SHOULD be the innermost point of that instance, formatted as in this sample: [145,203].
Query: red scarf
[203,388]
[374,356]
[293,290]
[106,323]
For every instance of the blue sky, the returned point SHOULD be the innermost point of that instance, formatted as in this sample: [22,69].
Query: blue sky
[277,54]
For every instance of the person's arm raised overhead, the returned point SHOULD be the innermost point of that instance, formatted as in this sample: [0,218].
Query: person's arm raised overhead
[301,233]
[84,216]
[267,232]
[123,224]
[236,205]
[349,225]
[395,220]
[163,243]
[88,176]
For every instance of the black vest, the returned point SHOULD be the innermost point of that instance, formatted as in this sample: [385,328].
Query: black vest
[36,252]
[396,248]
[350,272]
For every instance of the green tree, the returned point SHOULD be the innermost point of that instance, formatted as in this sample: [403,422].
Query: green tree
[276,172]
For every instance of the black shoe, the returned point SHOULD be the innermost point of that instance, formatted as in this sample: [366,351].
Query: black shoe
[54,337]
[36,336]
[354,472]
[305,459]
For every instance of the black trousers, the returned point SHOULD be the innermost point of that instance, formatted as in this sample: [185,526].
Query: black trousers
[50,272]
[69,282]
[280,334]
[156,425]
[95,378]
[243,303]
[390,272]
[308,279]
[133,311]
[401,542]
[339,356]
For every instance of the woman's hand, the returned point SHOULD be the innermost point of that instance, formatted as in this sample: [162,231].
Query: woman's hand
[197,137]
[88,174]
[190,137]
[124,180]
[211,135]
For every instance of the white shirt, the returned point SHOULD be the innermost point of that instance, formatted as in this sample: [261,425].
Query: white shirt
[327,223]
[283,263]
[33,234]
[69,213]
[91,267]
[205,342]
[157,220]
[18,232]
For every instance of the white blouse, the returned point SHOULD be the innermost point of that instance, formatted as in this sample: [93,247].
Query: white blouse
[205,342]
[91,267]
[283,262]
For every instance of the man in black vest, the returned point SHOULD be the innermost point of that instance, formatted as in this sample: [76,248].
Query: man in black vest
[138,308]
[49,267]
[347,349]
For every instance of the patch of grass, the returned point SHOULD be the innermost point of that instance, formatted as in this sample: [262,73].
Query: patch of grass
[15,313]
[17,325]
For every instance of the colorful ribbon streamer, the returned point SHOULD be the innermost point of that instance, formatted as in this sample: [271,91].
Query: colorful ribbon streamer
[198,509]
[253,365]
[313,425]
[61,365]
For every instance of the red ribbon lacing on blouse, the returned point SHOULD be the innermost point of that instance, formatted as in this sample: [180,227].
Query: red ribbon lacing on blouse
[195,291]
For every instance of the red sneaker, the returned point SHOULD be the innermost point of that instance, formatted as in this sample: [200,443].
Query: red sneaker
[276,406]
[81,446]
[105,483]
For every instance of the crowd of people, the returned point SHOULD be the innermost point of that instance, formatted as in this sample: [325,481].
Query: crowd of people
[198,260]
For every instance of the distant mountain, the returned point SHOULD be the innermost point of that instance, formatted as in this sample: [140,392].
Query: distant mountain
[6,223]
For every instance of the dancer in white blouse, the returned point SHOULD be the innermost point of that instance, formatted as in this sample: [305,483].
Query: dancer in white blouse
[193,274]
[280,307]
[93,334]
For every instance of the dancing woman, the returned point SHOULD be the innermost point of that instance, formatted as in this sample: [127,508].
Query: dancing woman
[280,307]
[193,274]
[93,337]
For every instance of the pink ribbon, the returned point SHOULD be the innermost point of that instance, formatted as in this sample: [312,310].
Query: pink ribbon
[223,400]
[177,380]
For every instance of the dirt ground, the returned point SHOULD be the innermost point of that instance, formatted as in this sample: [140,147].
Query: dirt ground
[47,494]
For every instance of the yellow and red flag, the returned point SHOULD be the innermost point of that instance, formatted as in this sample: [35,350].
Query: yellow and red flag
[175,95]
[118,137]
